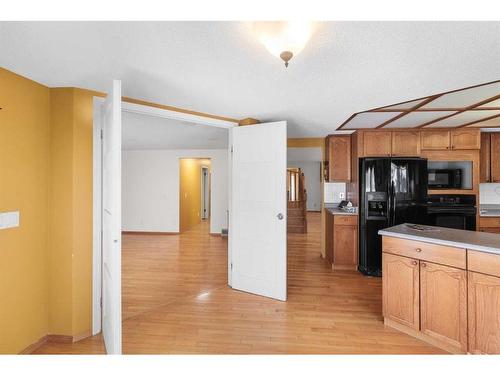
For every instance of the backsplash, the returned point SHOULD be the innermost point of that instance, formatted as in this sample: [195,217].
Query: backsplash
[332,192]
[489,193]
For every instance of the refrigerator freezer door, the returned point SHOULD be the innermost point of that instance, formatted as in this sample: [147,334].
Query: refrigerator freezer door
[408,191]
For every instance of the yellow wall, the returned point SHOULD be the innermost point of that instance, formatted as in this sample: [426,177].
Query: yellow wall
[24,161]
[46,173]
[70,212]
[60,237]
[190,192]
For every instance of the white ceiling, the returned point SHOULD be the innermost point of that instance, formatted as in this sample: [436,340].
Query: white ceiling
[148,132]
[220,68]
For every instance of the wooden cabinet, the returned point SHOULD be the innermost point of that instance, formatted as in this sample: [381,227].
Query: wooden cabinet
[345,246]
[338,153]
[435,140]
[484,313]
[341,241]
[465,139]
[495,157]
[485,163]
[328,236]
[377,143]
[400,290]
[406,143]
[443,304]
[490,157]
[460,139]
[489,224]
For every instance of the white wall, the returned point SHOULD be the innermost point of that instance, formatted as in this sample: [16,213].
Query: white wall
[150,189]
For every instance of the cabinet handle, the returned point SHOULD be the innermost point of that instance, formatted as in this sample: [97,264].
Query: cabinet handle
[423,265]
[418,250]
[414,262]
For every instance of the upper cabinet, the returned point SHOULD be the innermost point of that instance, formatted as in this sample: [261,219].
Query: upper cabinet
[377,143]
[465,139]
[406,143]
[490,157]
[495,157]
[460,139]
[385,143]
[435,140]
[338,158]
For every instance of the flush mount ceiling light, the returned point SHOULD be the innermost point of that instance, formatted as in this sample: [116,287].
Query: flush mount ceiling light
[283,39]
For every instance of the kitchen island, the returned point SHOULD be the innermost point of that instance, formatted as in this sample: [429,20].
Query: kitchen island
[442,285]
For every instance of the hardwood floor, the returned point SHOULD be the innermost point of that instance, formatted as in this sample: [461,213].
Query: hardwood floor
[176,300]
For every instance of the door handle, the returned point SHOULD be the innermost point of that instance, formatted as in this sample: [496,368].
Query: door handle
[280,216]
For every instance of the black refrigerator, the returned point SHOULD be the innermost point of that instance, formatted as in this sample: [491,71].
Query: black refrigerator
[392,191]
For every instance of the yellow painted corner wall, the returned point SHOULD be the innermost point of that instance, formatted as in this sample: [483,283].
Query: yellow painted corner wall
[82,211]
[70,212]
[60,237]
[46,174]
[24,163]
[190,192]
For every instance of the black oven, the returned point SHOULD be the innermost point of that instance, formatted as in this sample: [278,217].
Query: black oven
[445,178]
[452,211]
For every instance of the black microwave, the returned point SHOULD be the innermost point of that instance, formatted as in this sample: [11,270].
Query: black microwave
[445,178]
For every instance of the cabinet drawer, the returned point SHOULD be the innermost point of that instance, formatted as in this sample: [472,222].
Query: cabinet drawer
[489,222]
[449,256]
[345,220]
[486,263]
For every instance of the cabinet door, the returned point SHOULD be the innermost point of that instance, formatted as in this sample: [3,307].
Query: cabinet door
[485,166]
[435,140]
[490,230]
[329,236]
[377,143]
[406,143]
[465,139]
[443,304]
[495,157]
[340,158]
[400,290]
[345,248]
[484,313]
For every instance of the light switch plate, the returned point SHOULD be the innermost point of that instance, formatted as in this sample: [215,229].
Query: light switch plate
[9,219]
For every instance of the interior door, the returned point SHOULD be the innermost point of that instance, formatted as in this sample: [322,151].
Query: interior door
[257,231]
[111,222]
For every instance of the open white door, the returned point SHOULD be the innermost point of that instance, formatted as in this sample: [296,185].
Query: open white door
[111,221]
[257,218]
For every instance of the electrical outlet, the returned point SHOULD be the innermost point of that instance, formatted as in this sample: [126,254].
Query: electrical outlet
[342,195]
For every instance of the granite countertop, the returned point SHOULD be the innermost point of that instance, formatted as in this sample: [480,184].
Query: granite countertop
[335,210]
[489,210]
[480,241]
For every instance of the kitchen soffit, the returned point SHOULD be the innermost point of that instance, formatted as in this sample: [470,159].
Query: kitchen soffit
[473,106]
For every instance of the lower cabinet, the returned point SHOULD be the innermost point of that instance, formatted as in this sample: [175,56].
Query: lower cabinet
[400,293]
[443,304]
[345,247]
[450,302]
[429,298]
[484,313]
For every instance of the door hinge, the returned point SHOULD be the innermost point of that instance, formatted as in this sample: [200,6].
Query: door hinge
[100,302]
[102,134]
[231,266]
[231,149]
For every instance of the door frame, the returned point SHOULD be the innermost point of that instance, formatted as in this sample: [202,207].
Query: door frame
[130,107]
[205,192]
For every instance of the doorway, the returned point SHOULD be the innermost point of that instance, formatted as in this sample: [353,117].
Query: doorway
[194,192]
[254,154]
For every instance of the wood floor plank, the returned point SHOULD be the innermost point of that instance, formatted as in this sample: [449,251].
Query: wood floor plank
[176,301]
